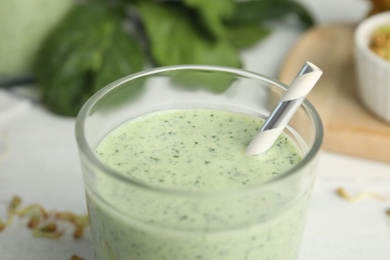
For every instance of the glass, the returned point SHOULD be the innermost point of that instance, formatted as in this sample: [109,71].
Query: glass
[134,220]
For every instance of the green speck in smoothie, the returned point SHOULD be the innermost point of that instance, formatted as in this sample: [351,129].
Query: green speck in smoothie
[183,217]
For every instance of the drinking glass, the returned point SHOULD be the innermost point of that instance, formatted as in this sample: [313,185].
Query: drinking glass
[134,220]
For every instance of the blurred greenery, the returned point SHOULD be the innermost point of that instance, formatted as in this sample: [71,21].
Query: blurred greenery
[86,52]
[90,48]
[174,39]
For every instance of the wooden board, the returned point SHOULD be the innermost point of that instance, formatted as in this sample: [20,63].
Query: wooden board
[349,127]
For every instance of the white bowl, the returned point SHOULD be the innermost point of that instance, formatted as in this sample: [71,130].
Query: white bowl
[373,71]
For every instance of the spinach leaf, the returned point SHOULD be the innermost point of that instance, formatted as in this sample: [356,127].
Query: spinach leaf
[213,13]
[85,52]
[263,10]
[175,39]
[243,35]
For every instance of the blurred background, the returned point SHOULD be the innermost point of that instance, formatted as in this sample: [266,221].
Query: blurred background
[70,48]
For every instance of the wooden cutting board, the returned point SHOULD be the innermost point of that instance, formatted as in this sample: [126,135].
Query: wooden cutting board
[349,127]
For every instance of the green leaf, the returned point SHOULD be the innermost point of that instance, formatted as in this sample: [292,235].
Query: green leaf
[213,13]
[263,10]
[174,39]
[244,35]
[84,53]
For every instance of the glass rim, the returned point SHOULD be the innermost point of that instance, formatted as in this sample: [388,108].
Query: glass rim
[87,151]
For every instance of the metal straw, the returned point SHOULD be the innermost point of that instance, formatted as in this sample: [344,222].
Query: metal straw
[288,105]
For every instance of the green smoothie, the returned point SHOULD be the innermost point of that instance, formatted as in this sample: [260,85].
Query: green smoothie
[196,193]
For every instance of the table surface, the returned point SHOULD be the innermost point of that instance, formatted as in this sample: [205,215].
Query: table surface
[41,164]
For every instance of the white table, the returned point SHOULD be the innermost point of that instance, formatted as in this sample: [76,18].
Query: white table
[42,166]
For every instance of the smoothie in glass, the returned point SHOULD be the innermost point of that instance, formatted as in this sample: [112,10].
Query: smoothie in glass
[167,177]
[194,150]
